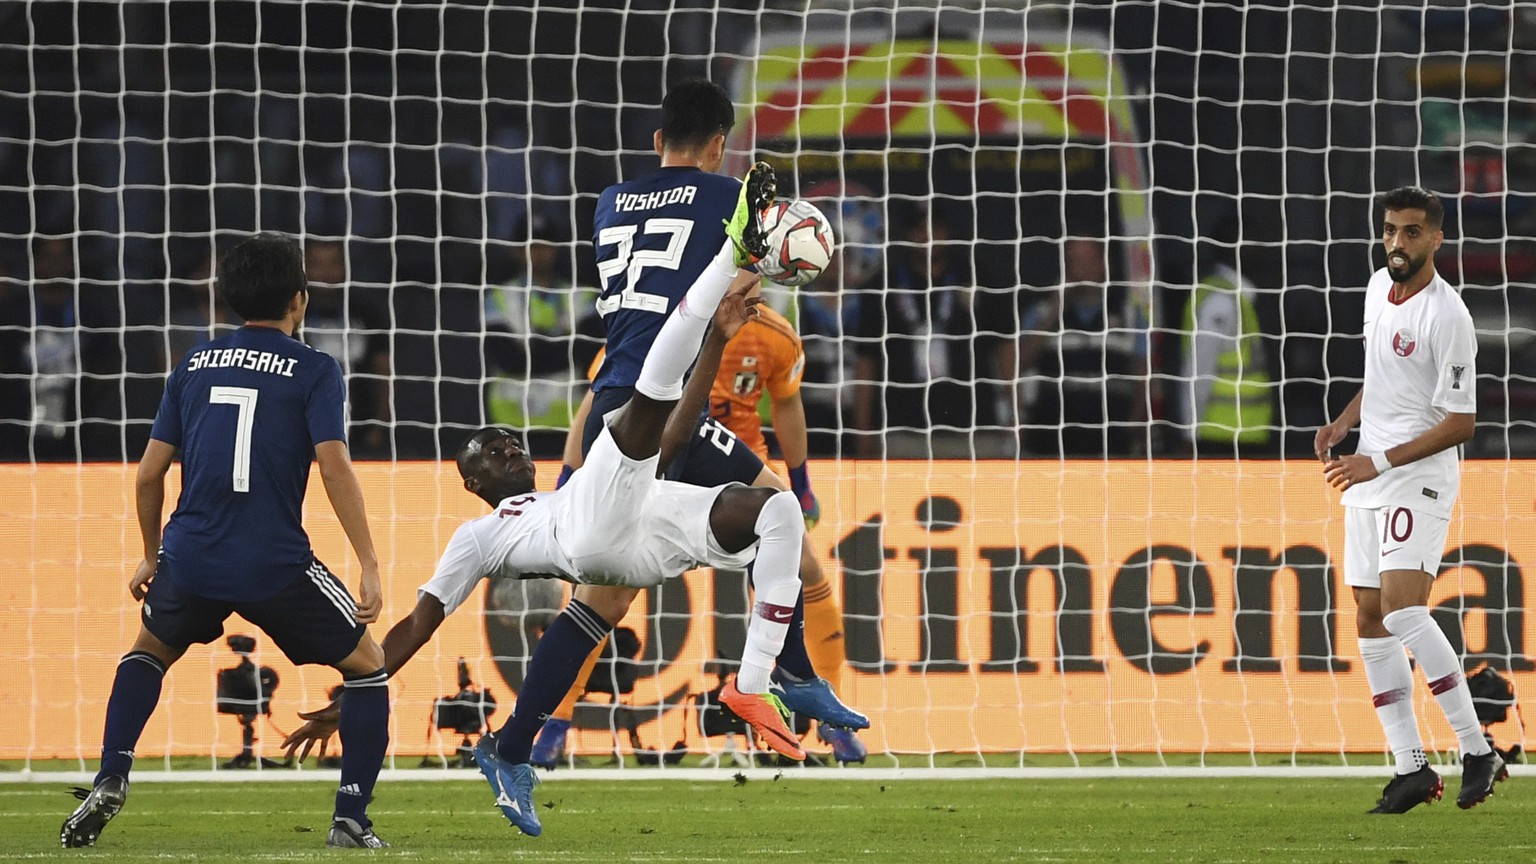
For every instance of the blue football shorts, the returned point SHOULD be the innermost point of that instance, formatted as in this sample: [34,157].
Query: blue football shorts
[714,455]
[312,619]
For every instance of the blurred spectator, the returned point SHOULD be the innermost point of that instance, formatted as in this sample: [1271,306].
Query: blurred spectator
[1226,406]
[1084,354]
[61,362]
[54,353]
[197,313]
[541,335]
[342,326]
[827,310]
[919,376]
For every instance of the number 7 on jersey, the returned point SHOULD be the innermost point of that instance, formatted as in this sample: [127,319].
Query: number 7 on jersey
[244,399]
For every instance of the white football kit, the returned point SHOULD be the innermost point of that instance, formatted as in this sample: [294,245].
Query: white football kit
[613,523]
[1420,365]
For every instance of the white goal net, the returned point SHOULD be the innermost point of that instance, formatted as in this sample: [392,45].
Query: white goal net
[1056,532]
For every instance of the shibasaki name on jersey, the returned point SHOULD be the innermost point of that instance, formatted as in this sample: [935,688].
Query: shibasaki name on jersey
[242,358]
[629,201]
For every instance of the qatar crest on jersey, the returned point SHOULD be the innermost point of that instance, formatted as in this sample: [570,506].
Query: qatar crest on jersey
[1403,343]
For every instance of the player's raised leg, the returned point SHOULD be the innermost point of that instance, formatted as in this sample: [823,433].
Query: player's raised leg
[816,638]
[741,516]
[638,428]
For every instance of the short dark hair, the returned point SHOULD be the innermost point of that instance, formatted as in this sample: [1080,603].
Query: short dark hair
[469,451]
[259,277]
[693,112]
[1414,198]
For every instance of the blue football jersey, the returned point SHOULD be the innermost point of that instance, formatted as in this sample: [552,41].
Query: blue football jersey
[653,237]
[246,411]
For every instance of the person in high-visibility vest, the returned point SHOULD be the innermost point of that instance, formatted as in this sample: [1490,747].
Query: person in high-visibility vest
[1229,406]
[541,331]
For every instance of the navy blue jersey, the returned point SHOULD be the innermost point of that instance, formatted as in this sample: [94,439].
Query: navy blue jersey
[654,237]
[246,410]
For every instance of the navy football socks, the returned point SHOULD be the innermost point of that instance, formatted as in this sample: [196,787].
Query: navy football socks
[364,728]
[559,656]
[135,692]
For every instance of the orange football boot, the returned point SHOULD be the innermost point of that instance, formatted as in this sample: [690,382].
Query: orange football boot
[766,715]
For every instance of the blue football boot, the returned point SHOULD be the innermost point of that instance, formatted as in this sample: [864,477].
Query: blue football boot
[814,698]
[846,746]
[513,785]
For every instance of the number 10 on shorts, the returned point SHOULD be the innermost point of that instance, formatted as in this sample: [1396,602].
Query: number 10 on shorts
[1398,526]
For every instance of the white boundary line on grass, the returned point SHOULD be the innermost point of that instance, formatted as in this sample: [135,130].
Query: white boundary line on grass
[392,775]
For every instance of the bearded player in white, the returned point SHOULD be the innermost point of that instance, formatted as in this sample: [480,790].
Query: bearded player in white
[1416,406]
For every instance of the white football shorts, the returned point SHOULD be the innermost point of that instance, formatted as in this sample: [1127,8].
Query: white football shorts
[619,525]
[1377,539]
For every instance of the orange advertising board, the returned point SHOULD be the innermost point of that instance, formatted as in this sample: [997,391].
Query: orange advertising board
[989,606]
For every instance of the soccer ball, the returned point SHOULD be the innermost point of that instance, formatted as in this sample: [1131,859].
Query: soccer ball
[800,243]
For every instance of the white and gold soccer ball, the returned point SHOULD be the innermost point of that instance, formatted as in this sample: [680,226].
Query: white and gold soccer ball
[800,243]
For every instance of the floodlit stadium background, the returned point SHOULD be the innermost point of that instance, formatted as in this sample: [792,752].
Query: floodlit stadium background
[1003,594]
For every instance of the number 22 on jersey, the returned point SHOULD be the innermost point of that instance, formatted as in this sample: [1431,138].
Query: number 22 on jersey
[632,263]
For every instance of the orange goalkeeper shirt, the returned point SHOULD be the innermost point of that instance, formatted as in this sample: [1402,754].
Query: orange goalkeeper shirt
[765,354]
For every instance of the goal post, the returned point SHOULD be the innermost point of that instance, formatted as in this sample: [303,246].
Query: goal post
[1050,551]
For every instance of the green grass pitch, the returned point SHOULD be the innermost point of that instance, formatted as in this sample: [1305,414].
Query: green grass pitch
[1139,820]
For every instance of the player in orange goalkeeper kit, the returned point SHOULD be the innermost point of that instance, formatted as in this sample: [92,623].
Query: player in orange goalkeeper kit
[764,357]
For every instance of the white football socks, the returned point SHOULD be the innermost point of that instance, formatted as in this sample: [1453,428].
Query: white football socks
[1442,669]
[677,345]
[1391,680]
[776,577]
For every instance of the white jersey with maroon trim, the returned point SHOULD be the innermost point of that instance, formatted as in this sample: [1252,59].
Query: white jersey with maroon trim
[516,540]
[612,523]
[1420,365]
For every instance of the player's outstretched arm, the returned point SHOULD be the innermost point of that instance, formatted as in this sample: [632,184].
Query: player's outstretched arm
[149,500]
[1331,434]
[736,309]
[346,496]
[400,645]
[411,632]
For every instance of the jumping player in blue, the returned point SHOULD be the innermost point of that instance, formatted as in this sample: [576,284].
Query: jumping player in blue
[247,413]
[653,238]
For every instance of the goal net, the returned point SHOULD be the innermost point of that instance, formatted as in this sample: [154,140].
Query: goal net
[1100,278]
